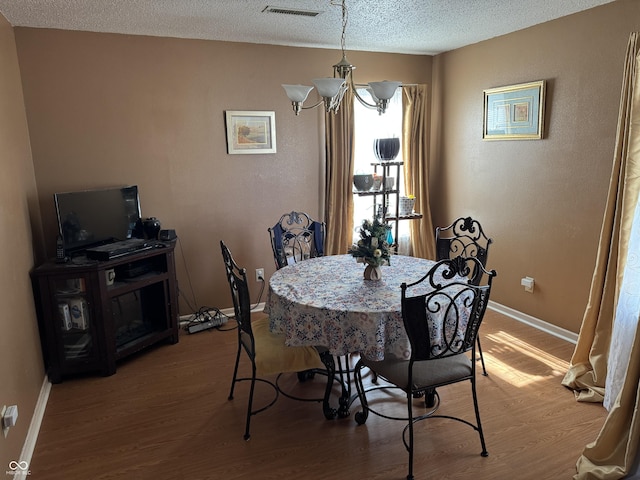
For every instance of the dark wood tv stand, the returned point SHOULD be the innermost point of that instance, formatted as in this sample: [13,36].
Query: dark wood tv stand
[87,324]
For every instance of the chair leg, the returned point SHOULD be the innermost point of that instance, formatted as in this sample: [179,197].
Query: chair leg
[410,446]
[484,370]
[247,435]
[361,417]
[484,452]
[235,373]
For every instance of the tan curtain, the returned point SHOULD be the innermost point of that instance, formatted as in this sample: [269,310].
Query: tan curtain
[613,452]
[415,148]
[339,170]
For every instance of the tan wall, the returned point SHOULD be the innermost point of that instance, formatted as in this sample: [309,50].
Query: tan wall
[109,109]
[21,370]
[541,200]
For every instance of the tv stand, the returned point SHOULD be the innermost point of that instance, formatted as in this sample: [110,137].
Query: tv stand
[88,323]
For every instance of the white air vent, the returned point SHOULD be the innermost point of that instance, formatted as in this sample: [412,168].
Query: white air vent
[291,11]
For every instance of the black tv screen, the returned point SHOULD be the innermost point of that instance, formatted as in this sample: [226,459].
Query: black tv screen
[96,217]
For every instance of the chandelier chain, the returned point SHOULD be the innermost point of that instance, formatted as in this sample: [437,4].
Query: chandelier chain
[345,15]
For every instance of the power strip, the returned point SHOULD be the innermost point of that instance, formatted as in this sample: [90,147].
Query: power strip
[213,322]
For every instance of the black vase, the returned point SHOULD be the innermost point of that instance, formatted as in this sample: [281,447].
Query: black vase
[386,149]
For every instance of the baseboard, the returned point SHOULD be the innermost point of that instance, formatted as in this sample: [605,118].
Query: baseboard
[34,429]
[535,322]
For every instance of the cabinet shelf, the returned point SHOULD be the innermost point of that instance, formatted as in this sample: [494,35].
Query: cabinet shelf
[413,216]
[121,287]
[87,325]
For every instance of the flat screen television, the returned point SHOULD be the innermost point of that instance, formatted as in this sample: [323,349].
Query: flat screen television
[96,217]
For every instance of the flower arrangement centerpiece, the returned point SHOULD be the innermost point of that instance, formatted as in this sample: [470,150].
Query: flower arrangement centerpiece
[372,248]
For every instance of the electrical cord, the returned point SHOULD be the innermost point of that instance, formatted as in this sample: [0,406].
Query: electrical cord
[204,314]
[259,295]
[186,269]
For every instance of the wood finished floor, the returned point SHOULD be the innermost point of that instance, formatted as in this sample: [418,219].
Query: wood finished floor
[165,415]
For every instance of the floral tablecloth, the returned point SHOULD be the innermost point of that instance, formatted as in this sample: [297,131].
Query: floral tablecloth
[326,302]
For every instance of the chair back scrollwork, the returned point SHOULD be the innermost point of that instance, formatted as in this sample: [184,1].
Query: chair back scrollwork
[464,237]
[296,237]
[445,321]
[237,278]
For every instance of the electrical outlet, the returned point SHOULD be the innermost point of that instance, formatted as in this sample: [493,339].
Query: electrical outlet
[259,274]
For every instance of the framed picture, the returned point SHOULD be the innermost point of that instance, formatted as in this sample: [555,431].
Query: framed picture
[250,132]
[515,112]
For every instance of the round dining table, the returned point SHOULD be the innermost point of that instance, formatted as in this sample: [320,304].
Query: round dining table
[326,301]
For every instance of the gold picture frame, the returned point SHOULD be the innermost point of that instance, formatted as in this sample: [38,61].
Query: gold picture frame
[514,112]
[250,132]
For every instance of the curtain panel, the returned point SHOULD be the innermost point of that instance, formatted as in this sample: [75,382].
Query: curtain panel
[339,171]
[415,148]
[612,454]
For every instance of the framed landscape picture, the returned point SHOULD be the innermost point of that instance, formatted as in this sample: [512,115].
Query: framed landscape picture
[514,112]
[250,132]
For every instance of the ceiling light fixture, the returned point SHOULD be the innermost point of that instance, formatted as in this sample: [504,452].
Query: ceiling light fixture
[332,89]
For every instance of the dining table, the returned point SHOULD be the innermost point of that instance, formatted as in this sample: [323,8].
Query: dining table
[326,302]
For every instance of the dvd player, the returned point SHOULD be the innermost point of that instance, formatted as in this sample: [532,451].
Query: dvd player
[118,249]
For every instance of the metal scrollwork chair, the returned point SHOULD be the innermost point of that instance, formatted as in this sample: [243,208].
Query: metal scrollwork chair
[296,237]
[442,326]
[465,238]
[266,351]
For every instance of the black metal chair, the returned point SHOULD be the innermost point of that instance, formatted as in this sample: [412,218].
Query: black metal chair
[442,326]
[465,238]
[266,351]
[296,237]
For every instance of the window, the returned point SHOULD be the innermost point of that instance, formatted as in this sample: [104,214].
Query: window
[369,125]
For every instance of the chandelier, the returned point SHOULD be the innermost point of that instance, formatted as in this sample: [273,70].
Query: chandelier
[332,89]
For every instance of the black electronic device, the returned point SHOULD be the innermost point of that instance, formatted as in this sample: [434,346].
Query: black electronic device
[90,218]
[167,235]
[61,257]
[118,249]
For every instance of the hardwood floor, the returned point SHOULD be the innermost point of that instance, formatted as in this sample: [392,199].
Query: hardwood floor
[165,415]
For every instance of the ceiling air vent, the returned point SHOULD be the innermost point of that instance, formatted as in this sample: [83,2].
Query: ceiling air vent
[291,11]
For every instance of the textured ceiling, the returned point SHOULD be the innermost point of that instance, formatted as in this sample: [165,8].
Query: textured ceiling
[400,26]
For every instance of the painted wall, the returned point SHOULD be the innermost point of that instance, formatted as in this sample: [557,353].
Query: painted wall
[21,369]
[542,201]
[108,109]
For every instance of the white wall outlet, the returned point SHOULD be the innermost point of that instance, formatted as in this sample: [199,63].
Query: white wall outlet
[259,274]
[528,283]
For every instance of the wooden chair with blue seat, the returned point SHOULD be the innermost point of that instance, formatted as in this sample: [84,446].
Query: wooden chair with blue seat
[464,237]
[266,351]
[442,326]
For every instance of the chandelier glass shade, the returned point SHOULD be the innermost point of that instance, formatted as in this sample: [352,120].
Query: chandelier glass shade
[332,89]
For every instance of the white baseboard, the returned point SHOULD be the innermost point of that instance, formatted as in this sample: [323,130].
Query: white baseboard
[34,429]
[535,322]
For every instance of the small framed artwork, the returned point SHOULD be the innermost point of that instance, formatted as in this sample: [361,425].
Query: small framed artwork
[250,132]
[514,112]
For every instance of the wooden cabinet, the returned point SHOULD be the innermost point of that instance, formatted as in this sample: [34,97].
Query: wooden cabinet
[93,313]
